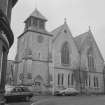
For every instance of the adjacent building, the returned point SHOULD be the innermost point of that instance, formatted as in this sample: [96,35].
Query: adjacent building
[57,59]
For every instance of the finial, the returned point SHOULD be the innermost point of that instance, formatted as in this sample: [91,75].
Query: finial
[65,20]
[35,4]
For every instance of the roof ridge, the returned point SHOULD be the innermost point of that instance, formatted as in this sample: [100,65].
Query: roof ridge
[97,46]
[58,32]
[80,35]
[57,28]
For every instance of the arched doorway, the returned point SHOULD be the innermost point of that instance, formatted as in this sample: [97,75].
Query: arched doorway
[38,83]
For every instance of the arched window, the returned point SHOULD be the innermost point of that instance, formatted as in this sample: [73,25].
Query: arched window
[94,81]
[89,81]
[65,54]
[90,59]
[72,79]
[68,80]
[58,79]
[62,78]
[96,84]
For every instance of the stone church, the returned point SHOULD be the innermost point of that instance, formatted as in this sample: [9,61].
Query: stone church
[57,59]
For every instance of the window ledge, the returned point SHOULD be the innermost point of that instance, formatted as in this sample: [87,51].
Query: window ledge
[65,64]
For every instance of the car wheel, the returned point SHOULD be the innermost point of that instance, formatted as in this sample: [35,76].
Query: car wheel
[27,98]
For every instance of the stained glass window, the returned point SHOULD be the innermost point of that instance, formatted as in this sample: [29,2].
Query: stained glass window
[65,54]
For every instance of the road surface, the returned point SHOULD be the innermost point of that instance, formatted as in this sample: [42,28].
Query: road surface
[68,100]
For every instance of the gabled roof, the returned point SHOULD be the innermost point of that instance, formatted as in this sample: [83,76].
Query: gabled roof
[56,32]
[79,40]
[37,14]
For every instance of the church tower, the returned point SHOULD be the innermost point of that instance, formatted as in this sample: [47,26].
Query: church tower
[36,21]
[33,51]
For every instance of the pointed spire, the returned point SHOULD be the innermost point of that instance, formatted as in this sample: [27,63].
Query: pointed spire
[37,14]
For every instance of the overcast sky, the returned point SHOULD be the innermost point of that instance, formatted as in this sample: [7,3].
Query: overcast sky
[80,14]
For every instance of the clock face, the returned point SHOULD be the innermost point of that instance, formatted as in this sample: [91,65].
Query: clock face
[40,39]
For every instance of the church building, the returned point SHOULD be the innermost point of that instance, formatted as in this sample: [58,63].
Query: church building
[57,59]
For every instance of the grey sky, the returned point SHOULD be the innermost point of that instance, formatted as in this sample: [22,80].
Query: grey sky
[79,13]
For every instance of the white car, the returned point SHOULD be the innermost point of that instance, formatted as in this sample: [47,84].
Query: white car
[69,91]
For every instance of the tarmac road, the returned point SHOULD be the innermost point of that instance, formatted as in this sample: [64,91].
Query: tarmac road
[67,100]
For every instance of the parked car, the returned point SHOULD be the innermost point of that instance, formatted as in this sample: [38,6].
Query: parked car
[67,91]
[58,93]
[18,93]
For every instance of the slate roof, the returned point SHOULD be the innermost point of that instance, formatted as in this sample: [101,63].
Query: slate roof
[56,32]
[79,40]
[37,14]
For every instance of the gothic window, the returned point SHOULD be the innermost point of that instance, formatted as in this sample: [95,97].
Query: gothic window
[58,79]
[65,54]
[96,82]
[90,60]
[62,79]
[72,79]
[68,80]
